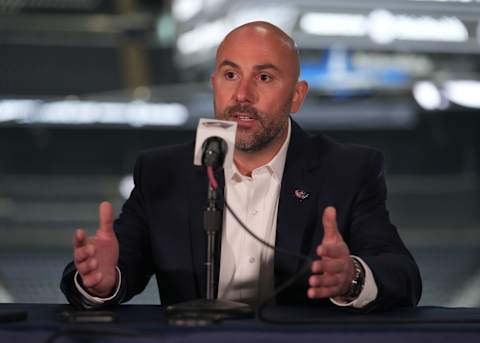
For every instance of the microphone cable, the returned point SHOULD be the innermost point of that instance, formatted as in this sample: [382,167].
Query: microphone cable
[290,281]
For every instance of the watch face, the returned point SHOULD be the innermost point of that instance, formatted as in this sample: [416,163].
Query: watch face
[357,282]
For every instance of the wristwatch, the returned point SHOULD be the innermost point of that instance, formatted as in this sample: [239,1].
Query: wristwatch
[357,283]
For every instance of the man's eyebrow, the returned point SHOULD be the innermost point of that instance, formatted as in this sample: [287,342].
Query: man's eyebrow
[228,63]
[256,67]
[267,66]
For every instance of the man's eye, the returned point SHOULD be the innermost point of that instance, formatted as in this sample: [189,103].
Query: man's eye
[265,77]
[230,75]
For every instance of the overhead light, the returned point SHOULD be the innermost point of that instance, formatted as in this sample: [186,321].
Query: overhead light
[16,110]
[184,10]
[76,112]
[455,1]
[418,28]
[428,96]
[334,24]
[208,35]
[384,27]
[463,92]
[202,37]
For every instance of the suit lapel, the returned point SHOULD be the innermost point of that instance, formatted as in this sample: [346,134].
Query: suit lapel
[298,203]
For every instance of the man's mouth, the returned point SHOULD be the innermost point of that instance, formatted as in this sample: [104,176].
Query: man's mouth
[243,116]
[244,120]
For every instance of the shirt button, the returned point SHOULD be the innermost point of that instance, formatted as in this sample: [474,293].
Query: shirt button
[253,212]
[251,259]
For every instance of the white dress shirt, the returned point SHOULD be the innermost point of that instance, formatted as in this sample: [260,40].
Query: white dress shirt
[246,266]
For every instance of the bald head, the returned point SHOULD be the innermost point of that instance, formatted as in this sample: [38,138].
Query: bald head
[271,36]
[255,83]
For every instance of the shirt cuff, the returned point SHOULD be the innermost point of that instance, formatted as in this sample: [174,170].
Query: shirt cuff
[93,299]
[367,295]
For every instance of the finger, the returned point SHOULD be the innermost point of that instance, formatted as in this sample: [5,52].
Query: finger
[322,292]
[329,220]
[317,267]
[87,267]
[83,253]
[92,279]
[333,266]
[324,280]
[105,213]
[335,250]
[79,238]
[330,266]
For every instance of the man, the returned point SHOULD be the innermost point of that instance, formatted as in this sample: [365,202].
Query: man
[306,195]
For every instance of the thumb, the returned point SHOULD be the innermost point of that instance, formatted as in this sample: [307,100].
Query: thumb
[105,214]
[329,221]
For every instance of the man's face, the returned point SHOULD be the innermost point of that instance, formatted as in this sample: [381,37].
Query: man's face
[254,85]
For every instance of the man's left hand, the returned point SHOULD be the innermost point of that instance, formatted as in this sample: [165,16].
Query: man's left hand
[333,272]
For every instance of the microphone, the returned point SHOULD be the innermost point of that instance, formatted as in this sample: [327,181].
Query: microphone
[214,146]
[214,150]
[215,143]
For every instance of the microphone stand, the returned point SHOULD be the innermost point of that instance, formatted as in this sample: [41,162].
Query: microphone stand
[211,308]
[212,222]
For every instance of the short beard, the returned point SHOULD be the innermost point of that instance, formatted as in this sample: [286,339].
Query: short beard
[271,130]
[261,140]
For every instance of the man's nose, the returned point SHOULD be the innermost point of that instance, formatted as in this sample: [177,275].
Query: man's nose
[245,91]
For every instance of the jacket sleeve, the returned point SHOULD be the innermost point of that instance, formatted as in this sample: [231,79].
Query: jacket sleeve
[135,262]
[376,240]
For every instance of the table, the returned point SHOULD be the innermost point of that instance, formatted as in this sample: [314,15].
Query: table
[149,323]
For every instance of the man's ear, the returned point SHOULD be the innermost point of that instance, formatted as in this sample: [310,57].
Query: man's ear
[299,94]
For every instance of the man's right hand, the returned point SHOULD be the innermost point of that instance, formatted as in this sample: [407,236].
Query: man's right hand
[96,257]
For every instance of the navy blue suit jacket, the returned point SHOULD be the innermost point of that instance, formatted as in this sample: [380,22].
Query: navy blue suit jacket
[160,226]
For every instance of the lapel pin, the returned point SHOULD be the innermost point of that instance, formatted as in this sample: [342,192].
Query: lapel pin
[301,195]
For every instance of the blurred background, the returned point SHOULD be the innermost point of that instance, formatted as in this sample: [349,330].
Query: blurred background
[87,84]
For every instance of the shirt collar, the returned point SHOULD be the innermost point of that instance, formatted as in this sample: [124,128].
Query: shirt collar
[275,166]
